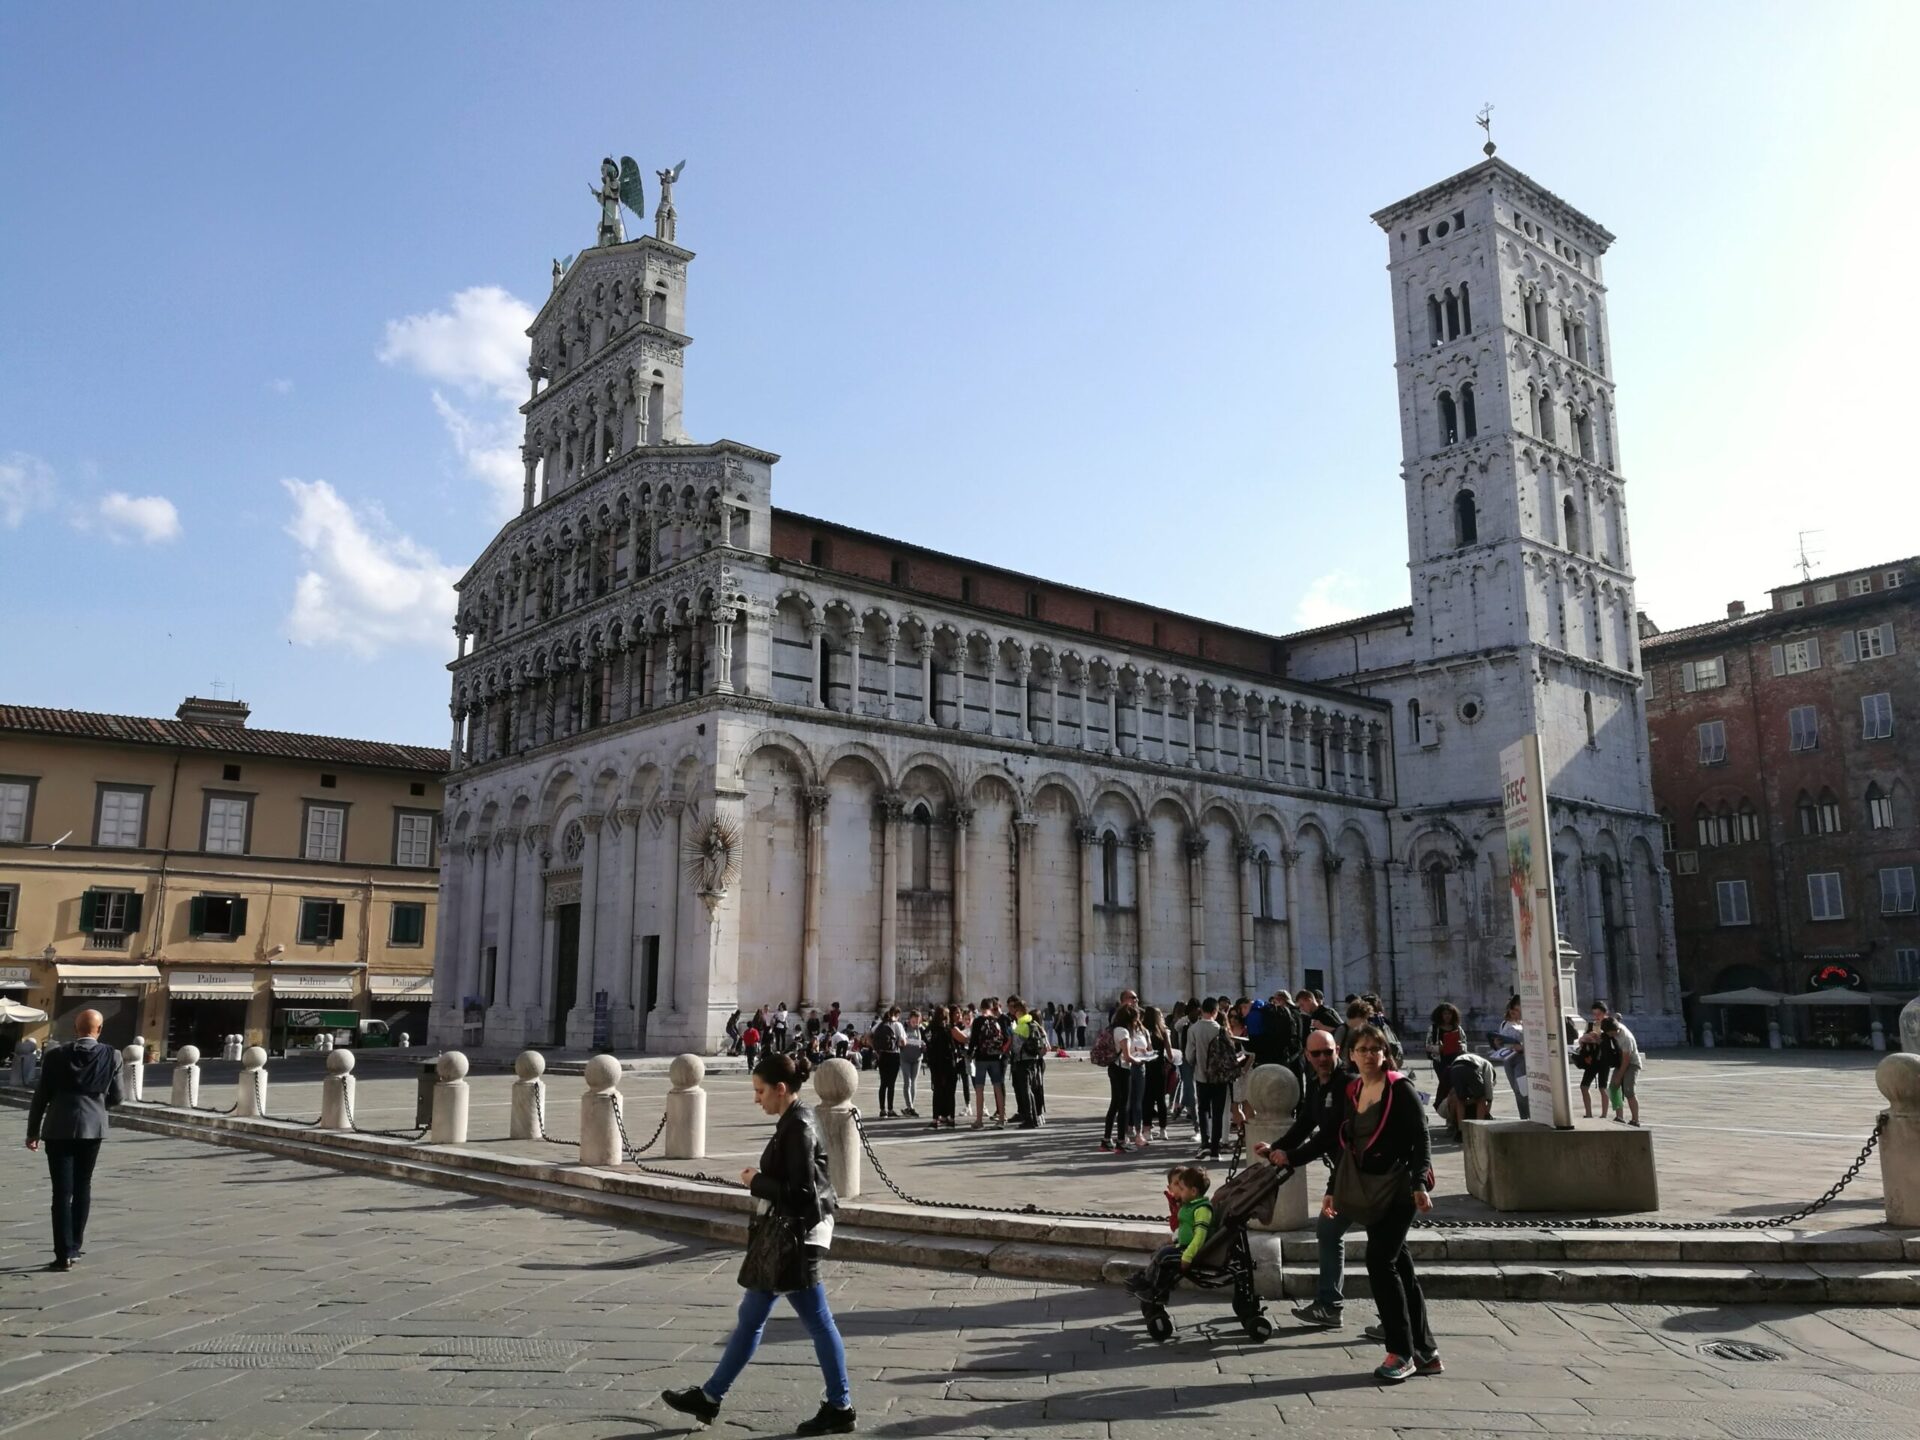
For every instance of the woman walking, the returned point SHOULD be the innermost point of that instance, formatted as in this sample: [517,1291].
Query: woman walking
[792,1230]
[1446,1041]
[1159,1066]
[888,1038]
[1119,1078]
[912,1044]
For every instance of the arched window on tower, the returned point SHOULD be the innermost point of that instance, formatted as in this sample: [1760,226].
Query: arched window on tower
[1469,419]
[1706,827]
[1413,722]
[1809,815]
[1433,880]
[1449,420]
[1829,813]
[922,867]
[1453,315]
[1110,869]
[1435,332]
[1570,525]
[1466,520]
[1586,704]
[1466,310]
[1263,875]
[1583,432]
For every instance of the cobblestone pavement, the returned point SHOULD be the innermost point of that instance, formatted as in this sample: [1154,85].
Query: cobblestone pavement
[1740,1134]
[236,1294]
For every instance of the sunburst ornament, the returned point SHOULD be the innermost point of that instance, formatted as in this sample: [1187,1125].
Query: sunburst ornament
[711,853]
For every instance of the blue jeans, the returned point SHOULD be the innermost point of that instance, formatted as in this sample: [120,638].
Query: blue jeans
[811,1306]
[1137,1095]
[1332,1235]
[1186,1090]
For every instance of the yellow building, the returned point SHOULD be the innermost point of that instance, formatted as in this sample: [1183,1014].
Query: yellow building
[193,878]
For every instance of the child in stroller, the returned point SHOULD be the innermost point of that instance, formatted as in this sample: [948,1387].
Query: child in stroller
[1210,1248]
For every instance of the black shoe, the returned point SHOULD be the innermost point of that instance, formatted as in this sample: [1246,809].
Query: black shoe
[828,1420]
[60,1264]
[1324,1317]
[692,1401]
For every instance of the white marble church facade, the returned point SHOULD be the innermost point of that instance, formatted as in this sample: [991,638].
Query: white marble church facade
[928,778]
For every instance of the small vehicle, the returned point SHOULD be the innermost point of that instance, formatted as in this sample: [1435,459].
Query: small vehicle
[1226,1261]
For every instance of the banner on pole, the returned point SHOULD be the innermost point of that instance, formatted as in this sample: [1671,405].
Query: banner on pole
[1536,932]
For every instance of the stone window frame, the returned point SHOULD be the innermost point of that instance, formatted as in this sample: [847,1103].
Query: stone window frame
[31,783]
[206,820]
[101,789]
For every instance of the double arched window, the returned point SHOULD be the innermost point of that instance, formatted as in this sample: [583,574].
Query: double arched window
[1449,315]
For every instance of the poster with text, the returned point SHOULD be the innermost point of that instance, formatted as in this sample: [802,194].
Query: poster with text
[1536,931]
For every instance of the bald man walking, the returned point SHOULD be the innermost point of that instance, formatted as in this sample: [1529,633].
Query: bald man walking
[79,1082]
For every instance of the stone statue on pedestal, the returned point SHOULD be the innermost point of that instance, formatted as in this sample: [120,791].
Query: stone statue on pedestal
[619,185]
[664,217]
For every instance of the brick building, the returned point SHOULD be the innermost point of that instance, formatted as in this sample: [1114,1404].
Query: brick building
[1783,768]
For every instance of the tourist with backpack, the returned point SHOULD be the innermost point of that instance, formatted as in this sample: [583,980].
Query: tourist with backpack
[887,1039]
[1215,1064]
[1028,1058]
[988,1045]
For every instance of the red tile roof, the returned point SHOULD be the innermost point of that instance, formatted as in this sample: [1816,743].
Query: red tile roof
[228,739]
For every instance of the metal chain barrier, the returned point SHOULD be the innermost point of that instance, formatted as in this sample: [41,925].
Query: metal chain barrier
[260,1106]
[626,1145]
[411,1136]
[540,1120]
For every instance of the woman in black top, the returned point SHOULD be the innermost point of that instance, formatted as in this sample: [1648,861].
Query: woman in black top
[792,1188]
[940,1060]
[1382,1174]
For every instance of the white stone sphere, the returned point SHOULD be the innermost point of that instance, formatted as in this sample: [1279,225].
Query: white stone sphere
[835,1082]
[603,1073]
[686,1071]
[529,1064]
[1273,1089]
[340,1062]
[451,1066]
[138,1040]
[1898,1077]
[253,1058]
[187,1055]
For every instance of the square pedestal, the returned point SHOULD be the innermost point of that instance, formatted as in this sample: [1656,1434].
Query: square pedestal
[1598,1166]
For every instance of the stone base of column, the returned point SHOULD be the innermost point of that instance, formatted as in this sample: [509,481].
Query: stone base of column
[677,1032]
[511,1029]
[580,1028]
[444,1026]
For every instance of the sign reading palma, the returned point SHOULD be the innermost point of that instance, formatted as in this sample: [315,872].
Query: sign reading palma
[1536,932]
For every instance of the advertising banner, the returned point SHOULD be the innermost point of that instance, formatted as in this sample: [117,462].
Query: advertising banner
[1536,932]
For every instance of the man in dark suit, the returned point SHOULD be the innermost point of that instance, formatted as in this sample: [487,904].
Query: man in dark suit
[79,1081]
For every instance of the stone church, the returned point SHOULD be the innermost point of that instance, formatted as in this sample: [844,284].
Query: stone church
[712,754]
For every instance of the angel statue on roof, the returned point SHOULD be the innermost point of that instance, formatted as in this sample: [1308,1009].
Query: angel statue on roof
[619,185]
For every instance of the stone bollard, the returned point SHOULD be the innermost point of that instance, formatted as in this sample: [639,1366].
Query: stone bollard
[1275,1093]
[1773,1034]
[1706,1035]
[186,1078]
[26,1064]
[1878,1034]
[133,1070]
[835,1083]
[1898,1077]
[1910,1026]
[252,1084]
[686,1133]
[450,1100]
[529,1096]
[233,1047]
[336,1092]
[599,1127]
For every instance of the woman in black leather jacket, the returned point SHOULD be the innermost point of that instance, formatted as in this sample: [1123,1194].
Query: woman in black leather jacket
[790,1188]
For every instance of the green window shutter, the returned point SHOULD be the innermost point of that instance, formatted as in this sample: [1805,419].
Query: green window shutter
[339,926]
[239,917]
[134,903]
[87,901]
[197,915]
[309,918]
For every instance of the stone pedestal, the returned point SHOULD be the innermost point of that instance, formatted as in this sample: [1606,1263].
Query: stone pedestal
[133,1071]
[186,1078]
[686,1133]
[599,1122]
[529,1096]
[835,1083]
[1898,1077]
[336,1092]
[252,1084]
[1275,1093]
[450,1100]
[1596,1166]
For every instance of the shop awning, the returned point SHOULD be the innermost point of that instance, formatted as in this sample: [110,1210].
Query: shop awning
[401,987]
[1816,998]
[11,1013]
[313,987]
[201,985]
[1752,995]
[107,974]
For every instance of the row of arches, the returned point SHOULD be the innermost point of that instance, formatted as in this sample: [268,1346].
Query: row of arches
[597,317]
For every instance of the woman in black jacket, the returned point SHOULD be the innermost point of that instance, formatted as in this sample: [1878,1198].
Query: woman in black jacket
[790,1188]
[1381,1178]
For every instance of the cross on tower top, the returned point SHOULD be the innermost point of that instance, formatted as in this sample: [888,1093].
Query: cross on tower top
[1485,121]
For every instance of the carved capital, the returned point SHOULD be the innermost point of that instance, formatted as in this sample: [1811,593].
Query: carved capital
[535,837]
[1333,863]
[961,816]
[892,807]
[1243,847]
[1086,832]
[1289,856]
[1194,842]
[628,816]
[1140,836]
[1025,820]
[816,797]
[591,821]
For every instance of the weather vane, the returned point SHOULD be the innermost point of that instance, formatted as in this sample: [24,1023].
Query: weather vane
[1485,121]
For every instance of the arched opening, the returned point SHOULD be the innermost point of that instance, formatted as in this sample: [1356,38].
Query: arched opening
[1879,808]
[1434,332]
[1449,420]
[1466,310]
[1263,876]
[1469,418]
[1570,524]
[1586,705]
[1808,814]
[1453,315]
[1830,817]
[1433,879]
[1110,869]
[1746,822]
[1466,520]
[1413,721]
[921,870]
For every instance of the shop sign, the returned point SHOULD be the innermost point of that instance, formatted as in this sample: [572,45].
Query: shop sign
[209,980]
[1833,975]
[15,974]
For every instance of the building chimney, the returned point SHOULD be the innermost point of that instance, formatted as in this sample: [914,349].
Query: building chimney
[196,711]
[1736,609]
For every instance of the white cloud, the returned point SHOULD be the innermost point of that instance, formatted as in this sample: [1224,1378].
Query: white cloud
[1329,600]
[282,386]
[150,519]
[367,588]
[26,485]
[476,347]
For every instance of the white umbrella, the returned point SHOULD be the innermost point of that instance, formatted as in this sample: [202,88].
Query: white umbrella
[19,1014]
[1843,997]
[1749,996]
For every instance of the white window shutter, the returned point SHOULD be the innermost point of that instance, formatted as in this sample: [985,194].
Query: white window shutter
[1778,654]
[1849,647]
[1886,639]
[1813,653]
[1686,676]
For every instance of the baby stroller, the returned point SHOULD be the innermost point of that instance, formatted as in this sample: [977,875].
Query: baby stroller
[1226,1260]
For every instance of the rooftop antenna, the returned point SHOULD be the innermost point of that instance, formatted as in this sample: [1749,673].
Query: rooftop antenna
[1485,121]
[1806,561]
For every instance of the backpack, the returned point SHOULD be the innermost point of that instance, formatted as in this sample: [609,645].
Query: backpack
[886,1040]
[1104,1052]
[1221,1064]
[1032,1045]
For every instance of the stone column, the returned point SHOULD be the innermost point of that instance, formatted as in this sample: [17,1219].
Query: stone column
[818,631]
[507,837]
[1195,842]
[815,798]
[1141,837]
[1166,725]
[893,809]
[1266,718]
[1192,709]
[1337,745]
[1112,688]
[1369,773]
[1024,826]
[1335,963]
[646,672]
[524,973]
[1597,956]
[531,459]
[582,1018]
[626,904]
[1243,867]
[854,639]
[456,745]
[1319,724]
[1083,707]
[723,619]
[962,817]
[472,899]
[1235,713]
[1053,699]
[1633,979]
[1088,834]
[1022,671]
[670,905]
[925,648]
[893,651]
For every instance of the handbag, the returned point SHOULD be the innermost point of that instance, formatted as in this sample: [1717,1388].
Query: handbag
[1361,1197]
[776,1261]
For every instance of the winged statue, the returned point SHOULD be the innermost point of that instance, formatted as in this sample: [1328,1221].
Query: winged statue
[619,185]
[664,217]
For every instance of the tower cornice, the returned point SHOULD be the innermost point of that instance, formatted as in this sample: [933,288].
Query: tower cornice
[1542,199]
[639,245]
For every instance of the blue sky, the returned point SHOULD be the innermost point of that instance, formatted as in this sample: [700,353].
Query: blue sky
[1084,290]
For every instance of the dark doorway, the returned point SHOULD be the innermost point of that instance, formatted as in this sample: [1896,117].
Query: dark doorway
[566,970]
[204,1023]
[649,987]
